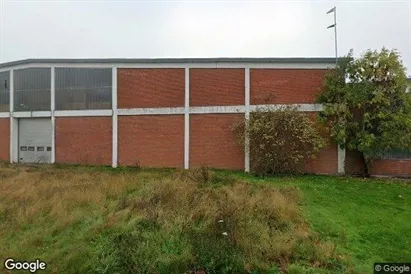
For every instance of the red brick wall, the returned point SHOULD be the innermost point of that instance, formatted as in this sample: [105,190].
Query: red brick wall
[5,139]
[155,141]
[354,165]
[139,88]
[84,140]
[217,87]
[326,160]
[212,143]
[285,86]
[391,167]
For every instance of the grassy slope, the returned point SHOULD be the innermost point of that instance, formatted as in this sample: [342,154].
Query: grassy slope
[368,219]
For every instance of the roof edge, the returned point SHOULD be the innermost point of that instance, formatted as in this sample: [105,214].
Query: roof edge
[322,60]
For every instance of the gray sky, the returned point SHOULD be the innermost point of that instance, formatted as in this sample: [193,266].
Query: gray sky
[138,29]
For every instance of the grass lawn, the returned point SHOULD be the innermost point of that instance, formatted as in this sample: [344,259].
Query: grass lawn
[101,220]
[369,220]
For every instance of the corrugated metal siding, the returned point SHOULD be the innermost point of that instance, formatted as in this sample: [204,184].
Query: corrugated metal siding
[4,91]
[83,88]
[32,89]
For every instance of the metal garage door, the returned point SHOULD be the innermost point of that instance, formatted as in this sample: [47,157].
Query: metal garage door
[35,140]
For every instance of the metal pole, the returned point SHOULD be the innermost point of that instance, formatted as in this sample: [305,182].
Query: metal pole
[335,34]
[340,151]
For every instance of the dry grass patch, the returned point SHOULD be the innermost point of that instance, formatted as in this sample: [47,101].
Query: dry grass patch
[148,222]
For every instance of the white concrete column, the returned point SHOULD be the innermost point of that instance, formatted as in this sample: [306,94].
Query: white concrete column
[13,124]
[247,117]
[341,160]
[53,119]
[187,119]
[115,118]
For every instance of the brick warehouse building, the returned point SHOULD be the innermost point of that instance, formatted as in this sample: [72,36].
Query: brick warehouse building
[157,112]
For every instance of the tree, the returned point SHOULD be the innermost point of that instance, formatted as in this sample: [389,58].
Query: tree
[366,105]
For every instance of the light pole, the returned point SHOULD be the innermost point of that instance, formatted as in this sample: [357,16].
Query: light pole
[334,9]
[341,151]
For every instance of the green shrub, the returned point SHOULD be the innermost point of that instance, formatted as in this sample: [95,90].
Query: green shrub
[280,140]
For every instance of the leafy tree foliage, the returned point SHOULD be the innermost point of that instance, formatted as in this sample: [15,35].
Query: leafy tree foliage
[281,140]
[366,104]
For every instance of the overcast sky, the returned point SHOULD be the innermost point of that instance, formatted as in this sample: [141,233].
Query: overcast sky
[139,29]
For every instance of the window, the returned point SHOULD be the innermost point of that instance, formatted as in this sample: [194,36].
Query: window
[397,155]
[23,148]
[5,91]
[32,89]
[40,148]
[83,88]
[31,148]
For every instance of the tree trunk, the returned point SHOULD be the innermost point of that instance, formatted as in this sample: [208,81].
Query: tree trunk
[366,166]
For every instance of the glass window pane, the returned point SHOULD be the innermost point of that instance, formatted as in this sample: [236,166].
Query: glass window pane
[83,88]
[397,155]
[4,91]
[32,89]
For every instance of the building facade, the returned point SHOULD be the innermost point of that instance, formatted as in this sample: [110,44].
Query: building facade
[156,112]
